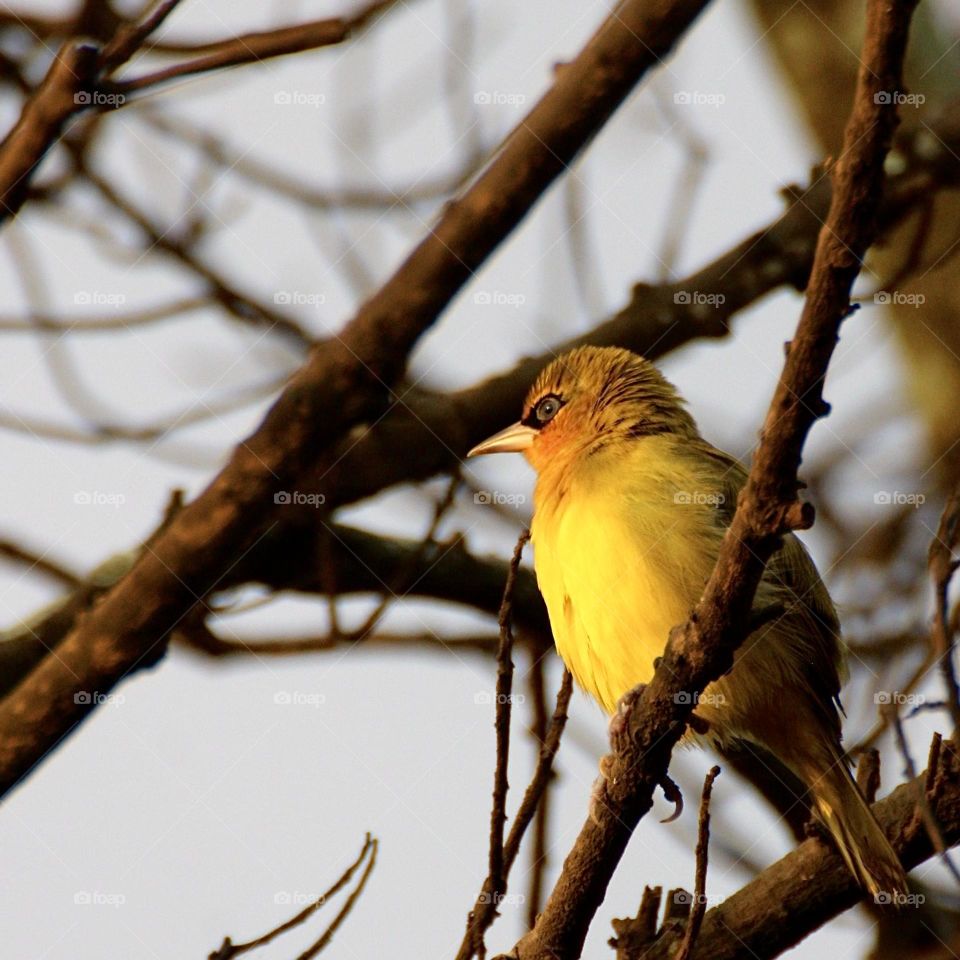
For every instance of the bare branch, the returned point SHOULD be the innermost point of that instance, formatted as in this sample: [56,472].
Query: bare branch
[257,47]
[942,568]
[228,949]
[810,885]
[346,382]
[700,882]
[42,120]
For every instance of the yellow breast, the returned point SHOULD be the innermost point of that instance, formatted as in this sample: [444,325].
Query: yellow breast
[620,559]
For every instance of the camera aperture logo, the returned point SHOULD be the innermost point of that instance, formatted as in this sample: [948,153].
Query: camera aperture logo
[98,498]
[299,298]
[699,298]
[299,98]
[298,898]
[99,298]
[895,697]
[503,899]
[887,898]
[899,298]
[498,298]
[298,498]
[485,697]
[496,498]
[899,498]
[683,897]
[97,898]
[99,98]
[299,698]
[699,98]
[701,498]
[93,698]
[711,699]
[899,98]
[486,98]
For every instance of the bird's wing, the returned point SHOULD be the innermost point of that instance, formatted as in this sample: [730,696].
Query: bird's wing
[791,578]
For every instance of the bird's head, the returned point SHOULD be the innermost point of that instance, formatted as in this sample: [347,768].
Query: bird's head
[587,399]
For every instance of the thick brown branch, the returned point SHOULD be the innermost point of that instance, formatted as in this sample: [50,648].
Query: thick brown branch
[345,384]
[44,115]
[290,557]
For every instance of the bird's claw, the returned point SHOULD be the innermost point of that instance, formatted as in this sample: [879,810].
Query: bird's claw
[599,789]
[672,793]
[698,724]
[620,721]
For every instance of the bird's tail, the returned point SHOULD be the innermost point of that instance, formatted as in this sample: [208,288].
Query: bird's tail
[858,836]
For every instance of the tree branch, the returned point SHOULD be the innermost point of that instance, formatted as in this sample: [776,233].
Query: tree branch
[811,885]
[345,383]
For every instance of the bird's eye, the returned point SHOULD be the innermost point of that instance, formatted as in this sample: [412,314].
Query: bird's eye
[547,409]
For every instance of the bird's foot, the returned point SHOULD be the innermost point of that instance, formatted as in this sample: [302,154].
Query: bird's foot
[598,792]
[699,724]
[620,721]
[816,828]
[671,792]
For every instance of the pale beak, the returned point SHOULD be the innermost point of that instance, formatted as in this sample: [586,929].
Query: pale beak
[513,439]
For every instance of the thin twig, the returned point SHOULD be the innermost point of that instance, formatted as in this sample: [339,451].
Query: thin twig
[257,47]
[538,731]
[406,576]
[327,935]
[228,949]
[924,811]
[484,910]
[699,907]
[40,563]
[504,705]
[942,568]
[130,38]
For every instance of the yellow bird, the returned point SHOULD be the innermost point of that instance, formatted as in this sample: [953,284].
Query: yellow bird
[630,507]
